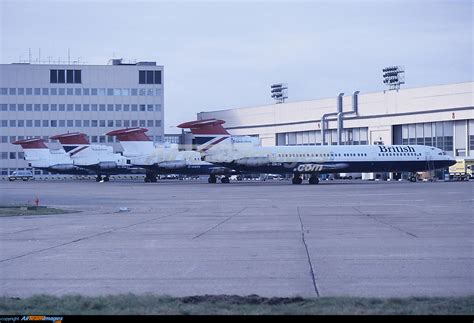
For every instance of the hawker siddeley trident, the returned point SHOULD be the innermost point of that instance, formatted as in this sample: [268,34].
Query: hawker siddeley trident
[39,156]
[220,148]
[99,159]
[164,158]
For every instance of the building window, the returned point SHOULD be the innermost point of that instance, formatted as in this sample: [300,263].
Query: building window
[157,123]
[149,77]
[70,107]
[77,76]
[70,91]
[45,123]
[70,123]
[65,76]
[21,91]
[142,77]
[78,123]
[101,123]
[85,91]
[54,123]
[53,91]
[29,91]
[61,76]
[62,123]
[12,91]
[37,107]
[53,76]
[85,123]
[77,91]
[62,107]
[45,107]
[45,91]
[118,123]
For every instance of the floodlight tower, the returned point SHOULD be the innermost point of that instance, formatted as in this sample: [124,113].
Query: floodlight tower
[279,92]
[393,76]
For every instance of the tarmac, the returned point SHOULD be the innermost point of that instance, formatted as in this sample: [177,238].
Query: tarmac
[272,238]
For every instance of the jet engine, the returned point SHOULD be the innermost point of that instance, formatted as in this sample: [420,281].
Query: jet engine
[107,165]
[63,167]
[253,161]
[175,164]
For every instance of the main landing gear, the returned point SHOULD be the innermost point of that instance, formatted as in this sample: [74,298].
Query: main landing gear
[150,178]
[313,180]
[225,180]
[297,179]
[99,178]
[212,179]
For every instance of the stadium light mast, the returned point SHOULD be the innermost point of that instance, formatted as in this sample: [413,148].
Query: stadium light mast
[279,92]
[393,76]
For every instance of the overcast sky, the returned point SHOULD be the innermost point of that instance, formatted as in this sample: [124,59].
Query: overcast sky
[220,55]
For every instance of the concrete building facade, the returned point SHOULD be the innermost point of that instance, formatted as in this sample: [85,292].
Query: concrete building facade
[440,116]
[41,100]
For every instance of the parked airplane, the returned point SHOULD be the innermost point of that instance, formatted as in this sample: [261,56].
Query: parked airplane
[240,153]
[100,159]
[39,156]
[165,158]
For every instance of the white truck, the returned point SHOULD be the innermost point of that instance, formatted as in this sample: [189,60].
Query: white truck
[462,170]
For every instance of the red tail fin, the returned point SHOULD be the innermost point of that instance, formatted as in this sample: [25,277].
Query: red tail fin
[205,127]
[130,134]
[34,143]
[77,138]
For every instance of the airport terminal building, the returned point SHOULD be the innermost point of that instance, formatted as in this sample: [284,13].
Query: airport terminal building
[41,100]
[440,116]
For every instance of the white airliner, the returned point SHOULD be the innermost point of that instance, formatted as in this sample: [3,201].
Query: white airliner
[39,156]
[163,158]
[100,159]
[243,154]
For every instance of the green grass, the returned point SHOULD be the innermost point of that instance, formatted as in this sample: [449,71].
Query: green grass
[21,210]
[228,305]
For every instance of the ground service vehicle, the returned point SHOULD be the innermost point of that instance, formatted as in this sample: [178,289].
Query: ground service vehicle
[24,175]
[462,170]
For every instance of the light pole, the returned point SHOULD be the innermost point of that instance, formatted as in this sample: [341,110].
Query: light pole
[393,76]
[279,92]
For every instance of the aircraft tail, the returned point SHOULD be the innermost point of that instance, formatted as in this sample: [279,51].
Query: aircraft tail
[39,155]
[208,133]
[134,141]
[73,143]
